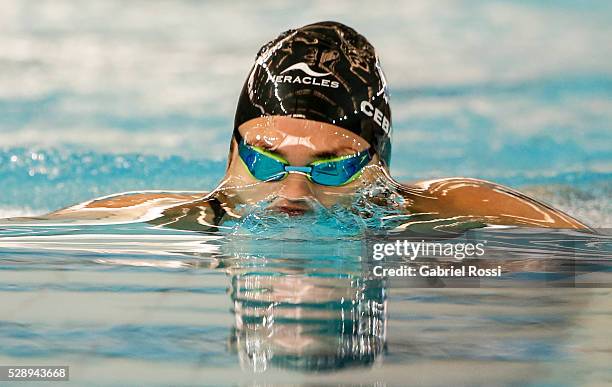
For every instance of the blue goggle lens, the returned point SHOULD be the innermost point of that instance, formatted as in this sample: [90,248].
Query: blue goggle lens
[261,166]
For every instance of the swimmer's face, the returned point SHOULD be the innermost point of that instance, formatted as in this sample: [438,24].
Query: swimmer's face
[299,142]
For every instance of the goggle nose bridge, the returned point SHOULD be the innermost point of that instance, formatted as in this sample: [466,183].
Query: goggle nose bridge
[304,170]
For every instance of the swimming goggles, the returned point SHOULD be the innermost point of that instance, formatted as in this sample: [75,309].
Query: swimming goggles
[336,171]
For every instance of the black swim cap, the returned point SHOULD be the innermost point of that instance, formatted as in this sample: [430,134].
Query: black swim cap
[323,72]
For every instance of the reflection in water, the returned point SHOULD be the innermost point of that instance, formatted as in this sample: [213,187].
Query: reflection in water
[303,307]
[305,322]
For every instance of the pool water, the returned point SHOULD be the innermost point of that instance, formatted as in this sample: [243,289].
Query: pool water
[96,98]
[138,304]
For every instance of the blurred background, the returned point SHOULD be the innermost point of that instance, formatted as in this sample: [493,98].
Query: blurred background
[105,96]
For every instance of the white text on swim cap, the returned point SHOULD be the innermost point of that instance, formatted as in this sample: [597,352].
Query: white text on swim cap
[312,77]
[379,117]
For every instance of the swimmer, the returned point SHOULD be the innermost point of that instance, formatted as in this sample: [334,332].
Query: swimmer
[313,127]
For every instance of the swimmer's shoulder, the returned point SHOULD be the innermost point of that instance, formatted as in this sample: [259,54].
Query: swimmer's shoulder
[122,207]
[140,198]
[455,185]
[495,203]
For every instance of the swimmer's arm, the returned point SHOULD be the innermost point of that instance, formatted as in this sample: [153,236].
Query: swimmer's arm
[118,208]
[492,204]
[197,215]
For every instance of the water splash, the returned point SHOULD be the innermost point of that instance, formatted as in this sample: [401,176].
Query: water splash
[337,221]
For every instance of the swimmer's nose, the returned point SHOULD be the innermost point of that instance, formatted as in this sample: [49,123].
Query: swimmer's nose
[294,195]
[296,187]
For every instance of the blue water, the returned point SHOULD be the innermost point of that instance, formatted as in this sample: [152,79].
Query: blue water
[99,97]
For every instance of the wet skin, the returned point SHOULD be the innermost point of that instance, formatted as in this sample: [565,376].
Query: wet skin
[300,142]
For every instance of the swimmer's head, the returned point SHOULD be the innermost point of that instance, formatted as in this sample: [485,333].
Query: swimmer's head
[325,72]
[314,93]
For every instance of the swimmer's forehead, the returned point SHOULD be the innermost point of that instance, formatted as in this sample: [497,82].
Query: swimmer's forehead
[274,132]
